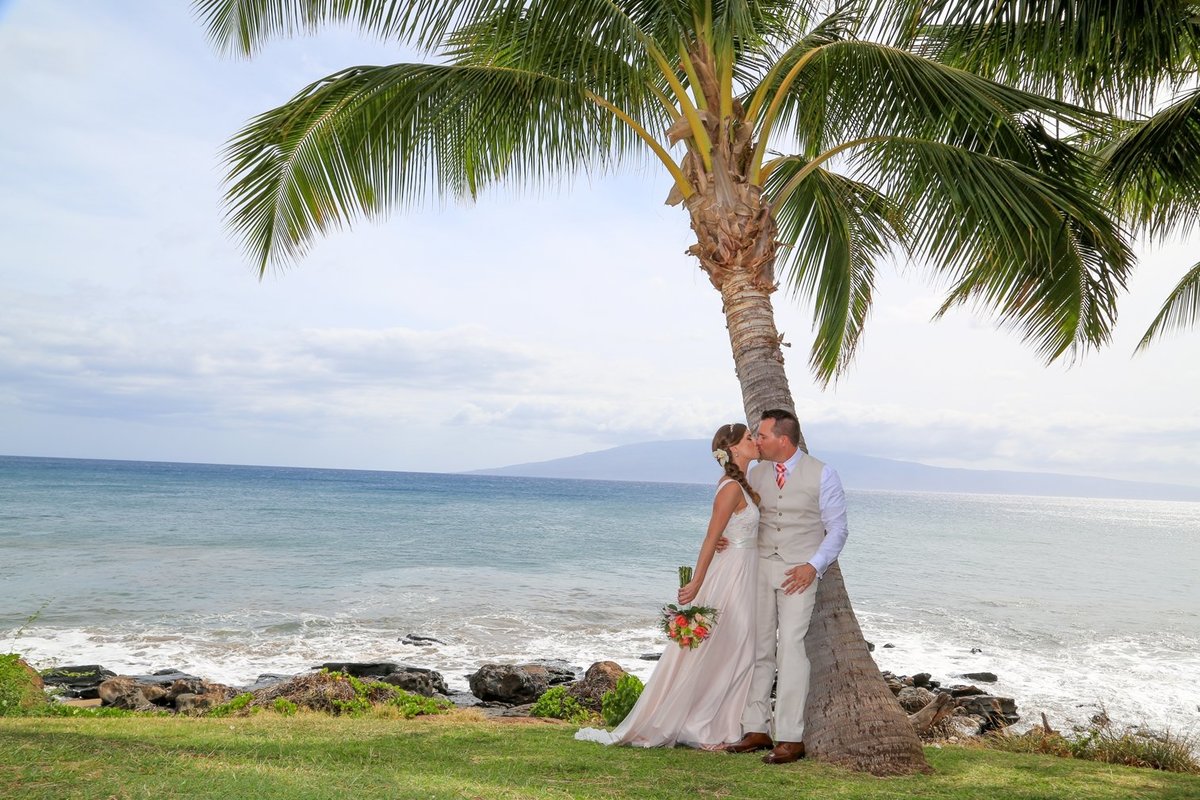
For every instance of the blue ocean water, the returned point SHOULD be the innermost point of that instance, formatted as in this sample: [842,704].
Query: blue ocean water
[232,571]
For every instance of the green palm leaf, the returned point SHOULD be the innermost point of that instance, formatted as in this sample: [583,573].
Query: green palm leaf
[371,137]
[1118,51]
[1181,310]
[835,230]
[242,26]
[854,90]
[1030,244]
[1155,168]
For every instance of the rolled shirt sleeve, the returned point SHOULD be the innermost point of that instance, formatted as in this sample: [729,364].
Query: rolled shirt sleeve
[833,515]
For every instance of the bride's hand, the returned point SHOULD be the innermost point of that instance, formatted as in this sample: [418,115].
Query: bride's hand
[688,592]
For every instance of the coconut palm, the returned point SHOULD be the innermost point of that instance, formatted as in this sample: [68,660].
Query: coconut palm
[804,148]
[1139,58]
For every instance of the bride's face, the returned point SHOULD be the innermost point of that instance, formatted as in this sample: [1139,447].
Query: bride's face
[746,448]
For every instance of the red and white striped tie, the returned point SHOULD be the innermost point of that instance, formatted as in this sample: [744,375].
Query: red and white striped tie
[780,475]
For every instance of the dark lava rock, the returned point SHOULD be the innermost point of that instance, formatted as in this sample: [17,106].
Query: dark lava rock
[982,677]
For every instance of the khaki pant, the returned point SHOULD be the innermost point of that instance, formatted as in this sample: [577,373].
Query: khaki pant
[779,649]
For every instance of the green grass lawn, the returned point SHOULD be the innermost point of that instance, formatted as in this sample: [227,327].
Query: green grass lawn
[463,757]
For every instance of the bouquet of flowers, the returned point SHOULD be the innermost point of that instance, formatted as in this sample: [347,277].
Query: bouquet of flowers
[690,626]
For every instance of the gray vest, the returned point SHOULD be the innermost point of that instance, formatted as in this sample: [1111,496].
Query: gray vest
[790,524]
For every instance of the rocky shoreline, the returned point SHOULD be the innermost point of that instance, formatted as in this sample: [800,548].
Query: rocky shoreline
[941,710]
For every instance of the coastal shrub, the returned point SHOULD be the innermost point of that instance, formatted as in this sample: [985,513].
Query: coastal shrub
[284,706]
[557,704]
[236,705]
[20,687]
[1165,751]
[332,693]
[414,705]
[616,705]
[1131,748]
[365,694]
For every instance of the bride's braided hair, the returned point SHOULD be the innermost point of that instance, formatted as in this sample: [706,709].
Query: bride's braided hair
[727,436]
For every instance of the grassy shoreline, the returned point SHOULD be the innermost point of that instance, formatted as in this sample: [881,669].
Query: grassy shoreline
[462,755]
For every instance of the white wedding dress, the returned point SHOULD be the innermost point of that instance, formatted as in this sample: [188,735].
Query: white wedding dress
[696,697]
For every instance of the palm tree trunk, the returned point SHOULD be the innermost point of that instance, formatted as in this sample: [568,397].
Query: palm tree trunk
[852,717]
[757,349]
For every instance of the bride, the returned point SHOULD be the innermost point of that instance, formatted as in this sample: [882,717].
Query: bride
[696,697]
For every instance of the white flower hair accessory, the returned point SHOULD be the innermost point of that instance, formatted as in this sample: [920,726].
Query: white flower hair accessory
[721,456]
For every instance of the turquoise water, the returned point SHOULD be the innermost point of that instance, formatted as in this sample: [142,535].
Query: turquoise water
[230,571]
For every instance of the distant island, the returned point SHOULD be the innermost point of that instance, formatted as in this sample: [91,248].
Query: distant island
[688,461]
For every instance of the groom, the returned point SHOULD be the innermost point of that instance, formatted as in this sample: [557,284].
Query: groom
[801,531]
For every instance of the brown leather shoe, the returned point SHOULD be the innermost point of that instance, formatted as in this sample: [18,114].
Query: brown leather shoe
[749,743]
[785,753]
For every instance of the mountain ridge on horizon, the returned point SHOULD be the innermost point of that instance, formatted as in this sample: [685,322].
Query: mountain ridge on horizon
[687,461]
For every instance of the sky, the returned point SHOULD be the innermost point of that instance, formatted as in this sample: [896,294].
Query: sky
[530,325]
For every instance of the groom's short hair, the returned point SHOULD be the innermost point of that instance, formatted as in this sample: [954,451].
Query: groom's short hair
[786,423]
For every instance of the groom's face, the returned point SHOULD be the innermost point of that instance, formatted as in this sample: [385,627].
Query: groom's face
[771,446]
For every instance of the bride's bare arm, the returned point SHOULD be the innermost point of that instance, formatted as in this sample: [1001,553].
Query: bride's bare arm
[724,504]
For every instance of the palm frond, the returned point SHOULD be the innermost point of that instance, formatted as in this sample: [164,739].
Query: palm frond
[242,26]
[608,57]
[1155,168]
[1181,310]
[775,67]
[854,90]
[1030,243]
[368,138]
[751,24]
[1112,50]
[835,230]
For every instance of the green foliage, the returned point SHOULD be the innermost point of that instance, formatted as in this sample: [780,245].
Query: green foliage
[337,693]
[19,694]
[1163,751]
[236,705]
[557,704]
[369,695]
[361,701]
[616,705]
[415,705]
[284,706]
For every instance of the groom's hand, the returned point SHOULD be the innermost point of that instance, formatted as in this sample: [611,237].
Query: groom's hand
[799,578]
[722,543]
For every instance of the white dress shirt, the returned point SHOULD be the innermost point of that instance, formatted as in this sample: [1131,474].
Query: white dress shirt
[833,514]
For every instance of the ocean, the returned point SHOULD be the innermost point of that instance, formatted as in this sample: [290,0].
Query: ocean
[228,572]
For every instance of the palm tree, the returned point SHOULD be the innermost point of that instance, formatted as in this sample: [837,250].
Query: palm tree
[794,141]
[1125,55]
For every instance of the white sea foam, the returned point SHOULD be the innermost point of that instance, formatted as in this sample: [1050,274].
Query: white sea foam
[1146,680]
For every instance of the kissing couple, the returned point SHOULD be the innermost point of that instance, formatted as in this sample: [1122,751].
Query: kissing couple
[773,532]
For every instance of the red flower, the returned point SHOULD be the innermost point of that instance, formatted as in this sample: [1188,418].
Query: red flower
[681,621]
